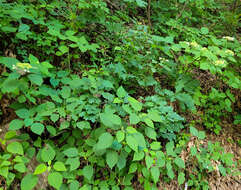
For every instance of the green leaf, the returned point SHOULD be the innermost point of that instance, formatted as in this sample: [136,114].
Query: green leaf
[201,135]
[37,128]
[20,167]
[169,148]
[138,156]
[83,125]
[131,141]
[41,168]
[16,124]
[28,182]
[36,79]
[88,172]
[110,120]
[33,59]
[134,119]
[23,113]
[111,158]
[71,152]
[65,92]
[170,172]
[135,104]
[55,179]
[155,145]
[54,117]
[154,116]
[133,168]
[149,122]
[120,135]
[194,131]
[149,161]
[59,166]
[204,30]
[105,141]
[10,135]
[48,153]
[15,148]
[64,49]
[155,174]
[121,93]
[181,178]
[179,162]
[73,162]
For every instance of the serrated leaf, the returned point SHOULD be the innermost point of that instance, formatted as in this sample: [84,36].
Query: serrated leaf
[37,128]
[134,119]
[59,166]
[73,162]
[179,162]
[71,152]
[48,153]
[55,179]
[149,161]
[111,158]
[20,167]
[105,141]
[155,172]
[110,120]
[16,124]
[135,104]
[131,141]
[41,168]
[29,182]
[138,156]
[121,93]
[154,116]
[36,79]
[181,178]
[15,148]
[88,172]
[120,135]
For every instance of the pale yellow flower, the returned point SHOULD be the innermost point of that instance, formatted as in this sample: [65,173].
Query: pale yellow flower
[219,63]
[228,51]
[24,65]
[194,44]
[229,38]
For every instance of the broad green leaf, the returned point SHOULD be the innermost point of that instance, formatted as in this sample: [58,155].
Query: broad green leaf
[194,131]
[155,174]
[121,93]
[154,116]
[16,124]
[65,92]
[181,178]
[149,161]
[37,128]
[132,168]
[73,162]
[54,117]
[55,179]
[59,166]
[88,172]
[105,141]
[134,119]
[204,30]
[155,145]
[64,49]
[149,122]
[179,162]
[120,135]
[131,130]
[15,148]
[201,135]
[23,113]
[20,167]
[110,120]
[48,153]
[29,182]
[138,156]
[169,148]
[131,141]
[83,125]
[33,59]
[135,104]
[41,168]
[71,152]
[36,79]
[111,158]
[10,134]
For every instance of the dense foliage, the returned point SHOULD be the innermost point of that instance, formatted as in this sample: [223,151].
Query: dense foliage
[100,93]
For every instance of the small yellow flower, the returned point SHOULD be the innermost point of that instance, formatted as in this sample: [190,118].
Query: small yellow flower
[229,38]
[24,65]
[194,44]
[228,51]
[219,63]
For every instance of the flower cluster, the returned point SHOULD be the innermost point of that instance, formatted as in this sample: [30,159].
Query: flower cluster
[229,38]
